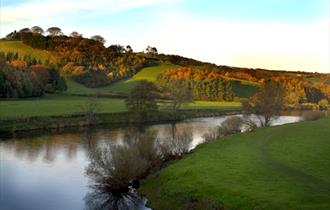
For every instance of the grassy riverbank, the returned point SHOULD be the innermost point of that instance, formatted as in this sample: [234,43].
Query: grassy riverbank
[281,167]
[57,105]
[59,111]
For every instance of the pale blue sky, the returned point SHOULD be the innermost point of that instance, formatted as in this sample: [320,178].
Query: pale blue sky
[275,34]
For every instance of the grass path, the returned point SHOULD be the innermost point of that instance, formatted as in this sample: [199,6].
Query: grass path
[285,168]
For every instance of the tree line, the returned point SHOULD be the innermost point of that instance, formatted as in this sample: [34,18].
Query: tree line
[204,84]
[22,81]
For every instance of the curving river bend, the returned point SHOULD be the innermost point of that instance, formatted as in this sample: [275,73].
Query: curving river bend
[49,171]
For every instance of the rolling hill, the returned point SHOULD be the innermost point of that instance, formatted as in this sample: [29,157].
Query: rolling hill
[241,88]
[25,50]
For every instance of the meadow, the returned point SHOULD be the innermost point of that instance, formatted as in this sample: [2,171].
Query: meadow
[25,50]
[281,167]
[52,105]
[149,73]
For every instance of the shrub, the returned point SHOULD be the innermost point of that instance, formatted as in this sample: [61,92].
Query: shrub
[249,125]
[230,126]
[309,106]
[323,104]
[211,135]
[310,116]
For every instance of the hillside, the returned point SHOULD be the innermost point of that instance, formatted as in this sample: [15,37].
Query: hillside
[148,73]
[241,88]
[122,68]
[25,50]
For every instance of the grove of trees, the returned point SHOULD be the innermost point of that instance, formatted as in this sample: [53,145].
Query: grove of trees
[204,84]
[22,81]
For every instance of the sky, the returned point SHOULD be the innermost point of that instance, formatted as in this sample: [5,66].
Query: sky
[271,34]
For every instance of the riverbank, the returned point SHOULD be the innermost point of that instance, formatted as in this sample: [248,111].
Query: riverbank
[59,122]
[279,167]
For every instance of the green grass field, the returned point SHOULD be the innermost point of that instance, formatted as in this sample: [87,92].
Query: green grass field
[244,89]
[282,167]
[148,73]
[213,105]
[52,105]
[76,88]
[22,50]
[122,87]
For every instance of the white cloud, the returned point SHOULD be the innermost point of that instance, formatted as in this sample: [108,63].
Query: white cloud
[47,9]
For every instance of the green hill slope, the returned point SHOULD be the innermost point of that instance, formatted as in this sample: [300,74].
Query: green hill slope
[281,167]
[148,73]
[244,89]
[23,49]
[121,87]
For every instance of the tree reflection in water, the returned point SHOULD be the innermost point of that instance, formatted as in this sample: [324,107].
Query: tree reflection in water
[102,198]
[114,169]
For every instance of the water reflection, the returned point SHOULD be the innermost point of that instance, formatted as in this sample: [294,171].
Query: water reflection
[84,169]
[114,170]
[100,199]
[113,167]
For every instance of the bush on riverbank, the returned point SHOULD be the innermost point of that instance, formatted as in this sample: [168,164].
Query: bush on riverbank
[310,116]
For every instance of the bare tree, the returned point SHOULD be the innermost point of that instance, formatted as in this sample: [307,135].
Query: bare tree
[37,30]
[152,50]
[98,38]
[267,103]
[54,31]
[25,30]
[129,49]
[90,109]
[179,93]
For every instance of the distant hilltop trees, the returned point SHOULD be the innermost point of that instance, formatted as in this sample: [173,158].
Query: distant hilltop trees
[51,31]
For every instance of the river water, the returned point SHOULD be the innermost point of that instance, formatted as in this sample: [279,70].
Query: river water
[50,171]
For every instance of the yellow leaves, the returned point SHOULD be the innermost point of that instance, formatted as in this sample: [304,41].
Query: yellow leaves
[110,75]
[19,64]
[78,70]
[101,67]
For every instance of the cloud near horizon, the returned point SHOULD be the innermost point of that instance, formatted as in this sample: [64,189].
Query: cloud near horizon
[175,28]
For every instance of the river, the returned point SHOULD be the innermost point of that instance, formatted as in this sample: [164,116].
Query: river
[53,171]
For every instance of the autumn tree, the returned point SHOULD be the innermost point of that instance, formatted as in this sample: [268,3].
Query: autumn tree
[37,30]
[267,103]
[142,100]
[54,31]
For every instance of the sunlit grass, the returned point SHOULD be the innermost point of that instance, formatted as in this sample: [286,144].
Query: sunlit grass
[148,73]
[52,105]
[281,167]
[22,50]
